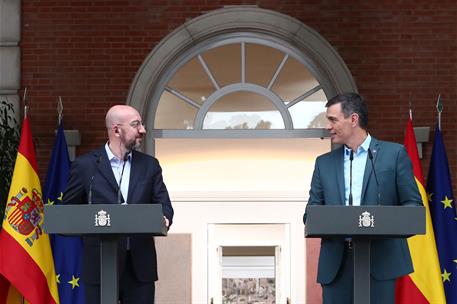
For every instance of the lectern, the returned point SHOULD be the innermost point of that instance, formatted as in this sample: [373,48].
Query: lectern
[108,222]
[363,224]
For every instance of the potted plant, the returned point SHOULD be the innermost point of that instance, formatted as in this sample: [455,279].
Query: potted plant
[9,142]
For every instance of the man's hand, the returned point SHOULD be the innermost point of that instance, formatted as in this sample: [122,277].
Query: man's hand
[167,222]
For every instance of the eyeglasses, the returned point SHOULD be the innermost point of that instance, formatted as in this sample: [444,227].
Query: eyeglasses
[135,124]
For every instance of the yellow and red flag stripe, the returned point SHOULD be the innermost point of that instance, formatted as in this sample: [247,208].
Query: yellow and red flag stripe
[424,284]
[26,261]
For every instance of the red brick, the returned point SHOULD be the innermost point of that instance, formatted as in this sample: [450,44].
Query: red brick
[89,52]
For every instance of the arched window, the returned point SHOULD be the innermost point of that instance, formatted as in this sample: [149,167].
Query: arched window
[239,72]
[242,83]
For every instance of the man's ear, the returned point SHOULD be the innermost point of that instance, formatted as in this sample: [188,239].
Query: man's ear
[116,130]
[355,119]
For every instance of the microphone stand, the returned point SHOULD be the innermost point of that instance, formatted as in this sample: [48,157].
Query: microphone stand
[351,158]
[89,195]
[119,193]
[370,155]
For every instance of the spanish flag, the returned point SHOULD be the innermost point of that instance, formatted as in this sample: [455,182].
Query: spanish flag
[26,264]
[424,284]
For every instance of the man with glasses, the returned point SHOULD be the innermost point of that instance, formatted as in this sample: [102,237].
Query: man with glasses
[96,178]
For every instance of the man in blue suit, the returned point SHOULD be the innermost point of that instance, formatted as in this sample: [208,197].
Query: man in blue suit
[347,116]
[95,178]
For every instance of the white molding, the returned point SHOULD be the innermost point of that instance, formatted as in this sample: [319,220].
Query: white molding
[10,22]
[10,53]
[238,196]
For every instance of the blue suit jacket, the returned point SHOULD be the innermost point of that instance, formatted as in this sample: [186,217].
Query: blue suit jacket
[146,186]
[390,258]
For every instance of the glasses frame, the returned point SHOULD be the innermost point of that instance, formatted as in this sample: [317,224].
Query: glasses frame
[136,124]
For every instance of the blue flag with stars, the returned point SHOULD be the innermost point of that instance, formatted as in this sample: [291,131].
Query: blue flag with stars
[67,251]
[444,218]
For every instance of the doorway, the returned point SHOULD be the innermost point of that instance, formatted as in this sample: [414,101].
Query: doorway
[248,263]
[249,274]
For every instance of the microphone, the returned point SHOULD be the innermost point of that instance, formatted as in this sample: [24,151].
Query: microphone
[370,155]
[119,193]
[89,195]
[351,158]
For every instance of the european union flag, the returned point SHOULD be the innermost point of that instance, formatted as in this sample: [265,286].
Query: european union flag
[67,251]
[444,218]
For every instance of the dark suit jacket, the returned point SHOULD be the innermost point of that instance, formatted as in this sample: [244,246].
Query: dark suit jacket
[146,186]
[390,258]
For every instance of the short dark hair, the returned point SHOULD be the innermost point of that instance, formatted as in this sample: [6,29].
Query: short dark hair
[351,103]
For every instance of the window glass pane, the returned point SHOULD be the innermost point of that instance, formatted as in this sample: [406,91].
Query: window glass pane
[224,63]
[192,81]
[310,112]
[243,110]
[293,80]
[174,113]
[261,63]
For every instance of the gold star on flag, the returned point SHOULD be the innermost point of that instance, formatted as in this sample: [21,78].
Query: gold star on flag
[50,202]
[74,282]
[60,196]
[447,202]
[446,276]
[58,279]
[429,195]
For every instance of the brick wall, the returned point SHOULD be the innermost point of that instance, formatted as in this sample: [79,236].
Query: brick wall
[89,51]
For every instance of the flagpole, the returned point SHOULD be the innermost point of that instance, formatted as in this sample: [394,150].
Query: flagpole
[26,107]
[439,109]
[24,100]
[410,106]
[60,109]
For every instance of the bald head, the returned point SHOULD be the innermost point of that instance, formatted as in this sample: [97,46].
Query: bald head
[119,114]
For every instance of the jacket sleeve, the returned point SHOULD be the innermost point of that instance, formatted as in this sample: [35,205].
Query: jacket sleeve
[408,192]
[75,191]
[160,193]
[316,192]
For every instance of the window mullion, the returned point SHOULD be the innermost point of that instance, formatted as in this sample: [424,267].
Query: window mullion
[183,97]
[208,72]
[278,70]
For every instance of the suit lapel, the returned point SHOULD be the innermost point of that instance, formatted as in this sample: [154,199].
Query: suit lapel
[339,165]
[374,147]
[135,170]
[105,169]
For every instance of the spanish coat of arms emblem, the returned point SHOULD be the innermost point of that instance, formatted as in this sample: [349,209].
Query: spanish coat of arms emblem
[366,220]
[25,214]
[102,218]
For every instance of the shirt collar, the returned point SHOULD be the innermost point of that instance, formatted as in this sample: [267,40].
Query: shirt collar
[362,148]
[111,154]
[365,145]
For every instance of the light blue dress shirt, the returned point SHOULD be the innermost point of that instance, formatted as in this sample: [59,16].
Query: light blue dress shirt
[116,166]
[358,169]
